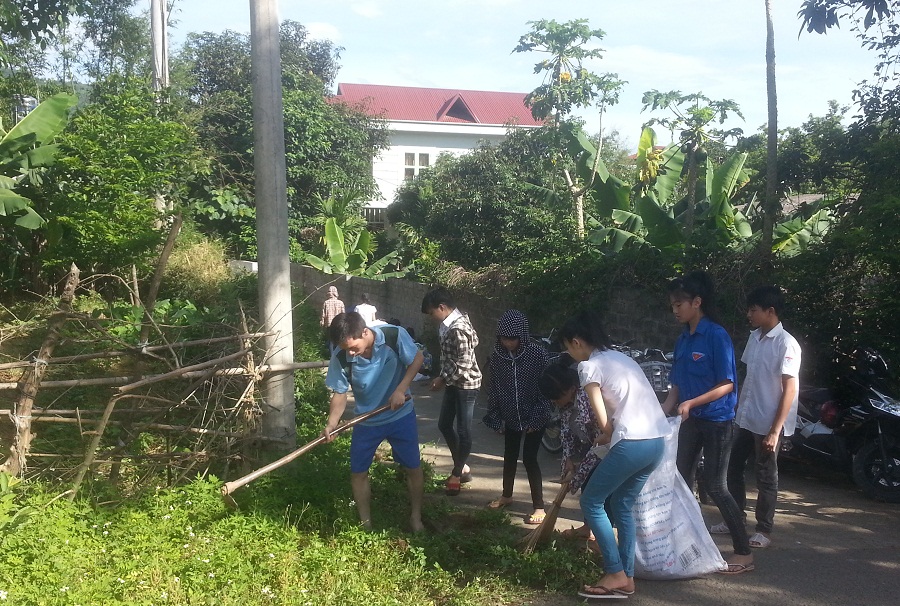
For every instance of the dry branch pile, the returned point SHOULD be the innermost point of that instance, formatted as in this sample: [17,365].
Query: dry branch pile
[129,412]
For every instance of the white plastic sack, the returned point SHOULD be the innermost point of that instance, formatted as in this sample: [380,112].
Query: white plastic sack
[672,539]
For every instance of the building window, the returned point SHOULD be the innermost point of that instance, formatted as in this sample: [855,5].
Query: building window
[413,163]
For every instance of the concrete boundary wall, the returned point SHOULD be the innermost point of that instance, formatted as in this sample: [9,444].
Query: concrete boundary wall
[633,315]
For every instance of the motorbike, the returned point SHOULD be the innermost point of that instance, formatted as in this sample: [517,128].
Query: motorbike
[855,428]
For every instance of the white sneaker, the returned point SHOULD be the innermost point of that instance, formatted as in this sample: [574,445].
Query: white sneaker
[720,528]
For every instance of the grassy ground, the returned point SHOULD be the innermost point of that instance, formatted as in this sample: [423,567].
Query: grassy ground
[293,540]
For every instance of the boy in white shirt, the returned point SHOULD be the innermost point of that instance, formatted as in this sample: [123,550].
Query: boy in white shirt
[767,407]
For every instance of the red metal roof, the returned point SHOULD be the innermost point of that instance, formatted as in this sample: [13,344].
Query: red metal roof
[438,104]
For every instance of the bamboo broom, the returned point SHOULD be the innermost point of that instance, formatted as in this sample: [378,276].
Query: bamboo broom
[543,532]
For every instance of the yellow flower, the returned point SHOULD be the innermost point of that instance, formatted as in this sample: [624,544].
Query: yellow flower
[565,77]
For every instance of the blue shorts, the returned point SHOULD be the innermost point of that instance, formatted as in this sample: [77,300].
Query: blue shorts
[402,434]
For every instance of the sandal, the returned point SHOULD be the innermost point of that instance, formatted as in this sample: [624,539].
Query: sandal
[599,591]
[535,519]
[738,569]
[760,541]
[499,503]
[452,486]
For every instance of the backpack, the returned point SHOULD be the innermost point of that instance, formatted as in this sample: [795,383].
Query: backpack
[391,334]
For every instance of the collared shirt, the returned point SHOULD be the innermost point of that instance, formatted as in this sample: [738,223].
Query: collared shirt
[330,309]
[630,401]
[375,378]
[768,357]
[702,361]
[448,321]
[459,367]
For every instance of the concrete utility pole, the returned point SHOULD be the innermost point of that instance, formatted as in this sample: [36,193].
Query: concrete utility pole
[159,40]
[271,219]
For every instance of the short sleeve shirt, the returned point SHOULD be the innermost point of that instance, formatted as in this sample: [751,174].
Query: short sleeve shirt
[768,357]
[630,400]
[702,361]
[376,378]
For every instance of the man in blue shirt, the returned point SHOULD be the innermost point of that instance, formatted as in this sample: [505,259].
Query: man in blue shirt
[380,371]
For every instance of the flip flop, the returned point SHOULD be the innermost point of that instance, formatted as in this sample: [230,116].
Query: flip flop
[534,519]
[599,592]
[498,504]
[760,541]
[465,478]
[738,569]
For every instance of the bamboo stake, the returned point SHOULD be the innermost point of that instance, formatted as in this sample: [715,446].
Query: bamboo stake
[136,350]
[229,487]
[21,419]
[160,426]
[182,373]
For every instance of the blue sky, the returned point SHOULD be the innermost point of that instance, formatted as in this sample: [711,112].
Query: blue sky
[716,47]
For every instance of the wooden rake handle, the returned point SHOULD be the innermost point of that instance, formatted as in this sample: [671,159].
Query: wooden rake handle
[230,487]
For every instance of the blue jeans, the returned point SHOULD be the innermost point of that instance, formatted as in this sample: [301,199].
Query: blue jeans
[620,476]
[714,438]
[458,405]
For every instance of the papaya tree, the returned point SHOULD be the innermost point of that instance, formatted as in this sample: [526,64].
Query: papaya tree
[567,84]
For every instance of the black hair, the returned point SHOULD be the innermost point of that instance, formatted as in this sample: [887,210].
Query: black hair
[695,284]
[409,329]
[765,297]
[556,380]
[586,325]
[348,325]
[435,298]
[364,297]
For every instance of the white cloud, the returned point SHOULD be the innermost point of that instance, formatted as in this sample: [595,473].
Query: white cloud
[323,31]
[369,9]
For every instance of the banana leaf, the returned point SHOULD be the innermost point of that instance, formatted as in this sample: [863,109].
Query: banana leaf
[794,236]
[334,244]
[12,203]
[41,124]
[663,230]
[669,175]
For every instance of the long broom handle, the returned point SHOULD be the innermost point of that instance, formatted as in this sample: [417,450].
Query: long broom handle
[230,487]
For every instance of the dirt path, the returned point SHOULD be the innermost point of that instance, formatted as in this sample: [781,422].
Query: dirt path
[832,546]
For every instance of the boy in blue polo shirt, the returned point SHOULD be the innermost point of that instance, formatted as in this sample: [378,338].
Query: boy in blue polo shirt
[704,387]
[379,370]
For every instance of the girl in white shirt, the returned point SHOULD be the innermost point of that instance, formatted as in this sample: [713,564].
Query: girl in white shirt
[633,425]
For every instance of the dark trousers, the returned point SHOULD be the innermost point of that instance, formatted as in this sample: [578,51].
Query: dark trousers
[458,405]
[714,438]
[747,445]
[512,440]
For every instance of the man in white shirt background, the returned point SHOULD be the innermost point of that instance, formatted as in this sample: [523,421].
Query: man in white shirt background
[767,407]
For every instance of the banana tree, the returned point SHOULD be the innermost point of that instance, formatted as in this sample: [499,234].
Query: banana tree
[25,150]
[351,257]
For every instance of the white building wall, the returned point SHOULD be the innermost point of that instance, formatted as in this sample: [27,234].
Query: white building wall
[425,138]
